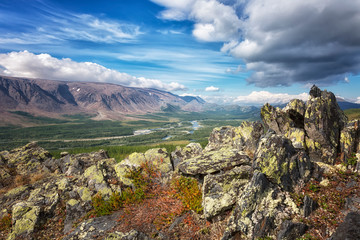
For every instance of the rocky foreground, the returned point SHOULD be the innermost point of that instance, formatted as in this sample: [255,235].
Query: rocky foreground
[294,176]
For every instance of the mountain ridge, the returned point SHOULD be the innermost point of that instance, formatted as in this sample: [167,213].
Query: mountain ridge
[106,100]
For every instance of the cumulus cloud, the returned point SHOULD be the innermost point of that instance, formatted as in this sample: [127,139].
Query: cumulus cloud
[214,21]
[26,64]
[212,89]
[358,100]
[282,42]
[262,97]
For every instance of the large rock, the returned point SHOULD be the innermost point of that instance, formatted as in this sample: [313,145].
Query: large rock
[27,159]
[75,164]
[132,235]
[288,121]
[323,122]
[25,219]
[93,228]
[99,177]
[260,210]
[181,154]
[220,191]
[214,161]
[281,162]
[349,229]
[290,230]
[350,138]
[157,156]
[244,138]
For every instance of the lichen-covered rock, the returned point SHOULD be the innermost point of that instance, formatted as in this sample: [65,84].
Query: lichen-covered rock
[288,121]
[349,229]
[214,161]
[26,159]
[259,210]
[25,218]
[350,138]
[98,177]
[281,162]
[309,206]
[275,119]
[244,138]
[93,228]
[75,164]
[157,156]
[290,230]
[181,154]
[296,110]
[74,211]
[220,191]
[323,122]
[132,235]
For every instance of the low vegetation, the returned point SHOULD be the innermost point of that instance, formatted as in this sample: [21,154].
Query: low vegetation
[331,198]
[353,113]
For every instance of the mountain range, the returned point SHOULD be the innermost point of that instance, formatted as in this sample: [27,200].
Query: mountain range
[105,100]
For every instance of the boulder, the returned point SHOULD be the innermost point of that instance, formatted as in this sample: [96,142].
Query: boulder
[288,121]
[157,156]
[323,122]
[244,138]
[98,177]
[181,154]
[349,229]
[93,228]
[214,161]
[290,230]
[309,206]
[281,162]
[350,139]
[25,219]
[131,235]
[27,159]
[275,119]
[259,210]
[220,191]
[75,164]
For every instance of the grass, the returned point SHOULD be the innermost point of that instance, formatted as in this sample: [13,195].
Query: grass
[118,152]
[352,113]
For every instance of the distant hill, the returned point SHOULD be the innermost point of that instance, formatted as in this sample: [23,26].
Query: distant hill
[344,105]
[104,100]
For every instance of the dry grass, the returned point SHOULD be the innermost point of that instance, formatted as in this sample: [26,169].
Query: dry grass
[17,180]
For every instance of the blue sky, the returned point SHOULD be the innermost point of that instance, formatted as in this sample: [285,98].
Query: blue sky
[226,51]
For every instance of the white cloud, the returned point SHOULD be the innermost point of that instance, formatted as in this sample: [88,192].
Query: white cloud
[282,42]
[215,21]
[262,97]
[54,25]
[358,100]
[26,64]
[212,89]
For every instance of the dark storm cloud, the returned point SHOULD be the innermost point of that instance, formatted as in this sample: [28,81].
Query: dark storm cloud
[305,41]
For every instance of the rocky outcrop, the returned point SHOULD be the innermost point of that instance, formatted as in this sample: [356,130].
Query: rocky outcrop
[314,126]
[220,191]
[281,162]
[244,138]
[323,122]
[157,156]
[349,229]
[214,161]
[187,152]
[260,210]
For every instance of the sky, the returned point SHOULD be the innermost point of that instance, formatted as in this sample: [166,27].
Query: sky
[245,52]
